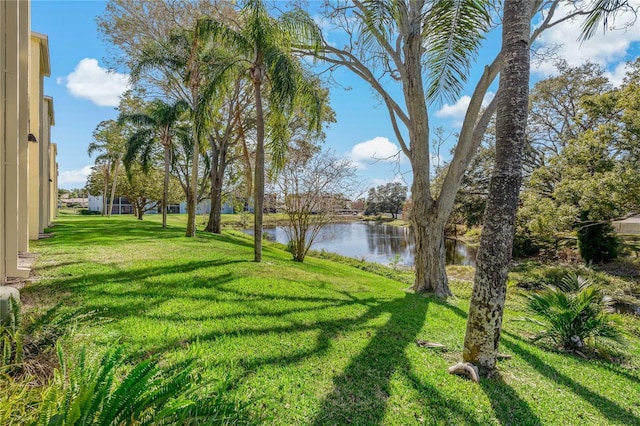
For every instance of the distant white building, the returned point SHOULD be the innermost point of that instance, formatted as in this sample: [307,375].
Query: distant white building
[122,206]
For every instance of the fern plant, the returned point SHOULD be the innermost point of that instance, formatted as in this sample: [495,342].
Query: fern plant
[87,393]
[11,339]
[573,314]
[18,400]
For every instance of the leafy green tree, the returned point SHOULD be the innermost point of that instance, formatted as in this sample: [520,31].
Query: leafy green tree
[231,114]
[109,142]
[387,198]
[145,189]
[184,54]
[589,176]
[154,126]
[262,50]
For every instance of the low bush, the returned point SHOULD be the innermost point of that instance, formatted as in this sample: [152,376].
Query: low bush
[597,243]
[573,314]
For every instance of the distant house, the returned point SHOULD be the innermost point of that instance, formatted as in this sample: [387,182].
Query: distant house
[74,202]
[628,226]
[122,206]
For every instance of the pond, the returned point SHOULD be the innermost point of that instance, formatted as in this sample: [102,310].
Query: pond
[374,242]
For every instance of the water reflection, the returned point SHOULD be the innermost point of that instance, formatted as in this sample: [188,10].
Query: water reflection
[375,242]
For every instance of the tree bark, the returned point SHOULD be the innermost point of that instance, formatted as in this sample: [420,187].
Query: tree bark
[429,254]
[218,167]
[192,198]
[258,187]
[106,188]
[113,187]
[487,301]
[165,188]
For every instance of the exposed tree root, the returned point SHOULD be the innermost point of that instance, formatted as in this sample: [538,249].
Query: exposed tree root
[466,369]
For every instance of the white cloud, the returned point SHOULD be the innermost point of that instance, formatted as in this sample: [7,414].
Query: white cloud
[457,111]
[74,178]
[375,182]
[618,74]
[603,48]
[374,150]
[102,87]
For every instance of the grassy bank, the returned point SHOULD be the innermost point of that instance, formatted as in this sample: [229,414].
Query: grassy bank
[313,343]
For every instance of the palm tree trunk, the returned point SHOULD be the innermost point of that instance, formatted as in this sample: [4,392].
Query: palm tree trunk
[165,188]
[258,187]
[192,199]
[113,186]
[496,242]
[107,167]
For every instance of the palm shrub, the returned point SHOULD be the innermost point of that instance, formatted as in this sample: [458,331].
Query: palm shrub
[573,314]
[86,393]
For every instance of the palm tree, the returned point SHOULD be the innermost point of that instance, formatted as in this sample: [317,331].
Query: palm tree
[485,311]
[157,125]
[484,324]
[108,141]
[183,56]
[262,50]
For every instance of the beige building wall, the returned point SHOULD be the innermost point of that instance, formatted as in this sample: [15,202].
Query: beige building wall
[14,45]
[54,181]
[24,15]
[49,152]
[39,145]
[3,78]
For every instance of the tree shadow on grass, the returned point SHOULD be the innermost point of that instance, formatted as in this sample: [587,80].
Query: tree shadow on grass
[508,407]
[360,393]
[609,409]
[453,308]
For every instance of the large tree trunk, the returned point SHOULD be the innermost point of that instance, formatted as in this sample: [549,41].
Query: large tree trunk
[427,225]
[429,253]
[219,163]
[165,187]
[487,301]
[258,187]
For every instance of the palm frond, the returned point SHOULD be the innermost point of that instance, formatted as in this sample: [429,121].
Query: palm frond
[301,28]
[453,31]
[601,11]
[139,145]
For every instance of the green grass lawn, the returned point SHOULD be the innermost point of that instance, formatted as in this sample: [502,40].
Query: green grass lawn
[313,343]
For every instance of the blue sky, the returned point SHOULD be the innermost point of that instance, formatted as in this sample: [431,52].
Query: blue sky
[85,93]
